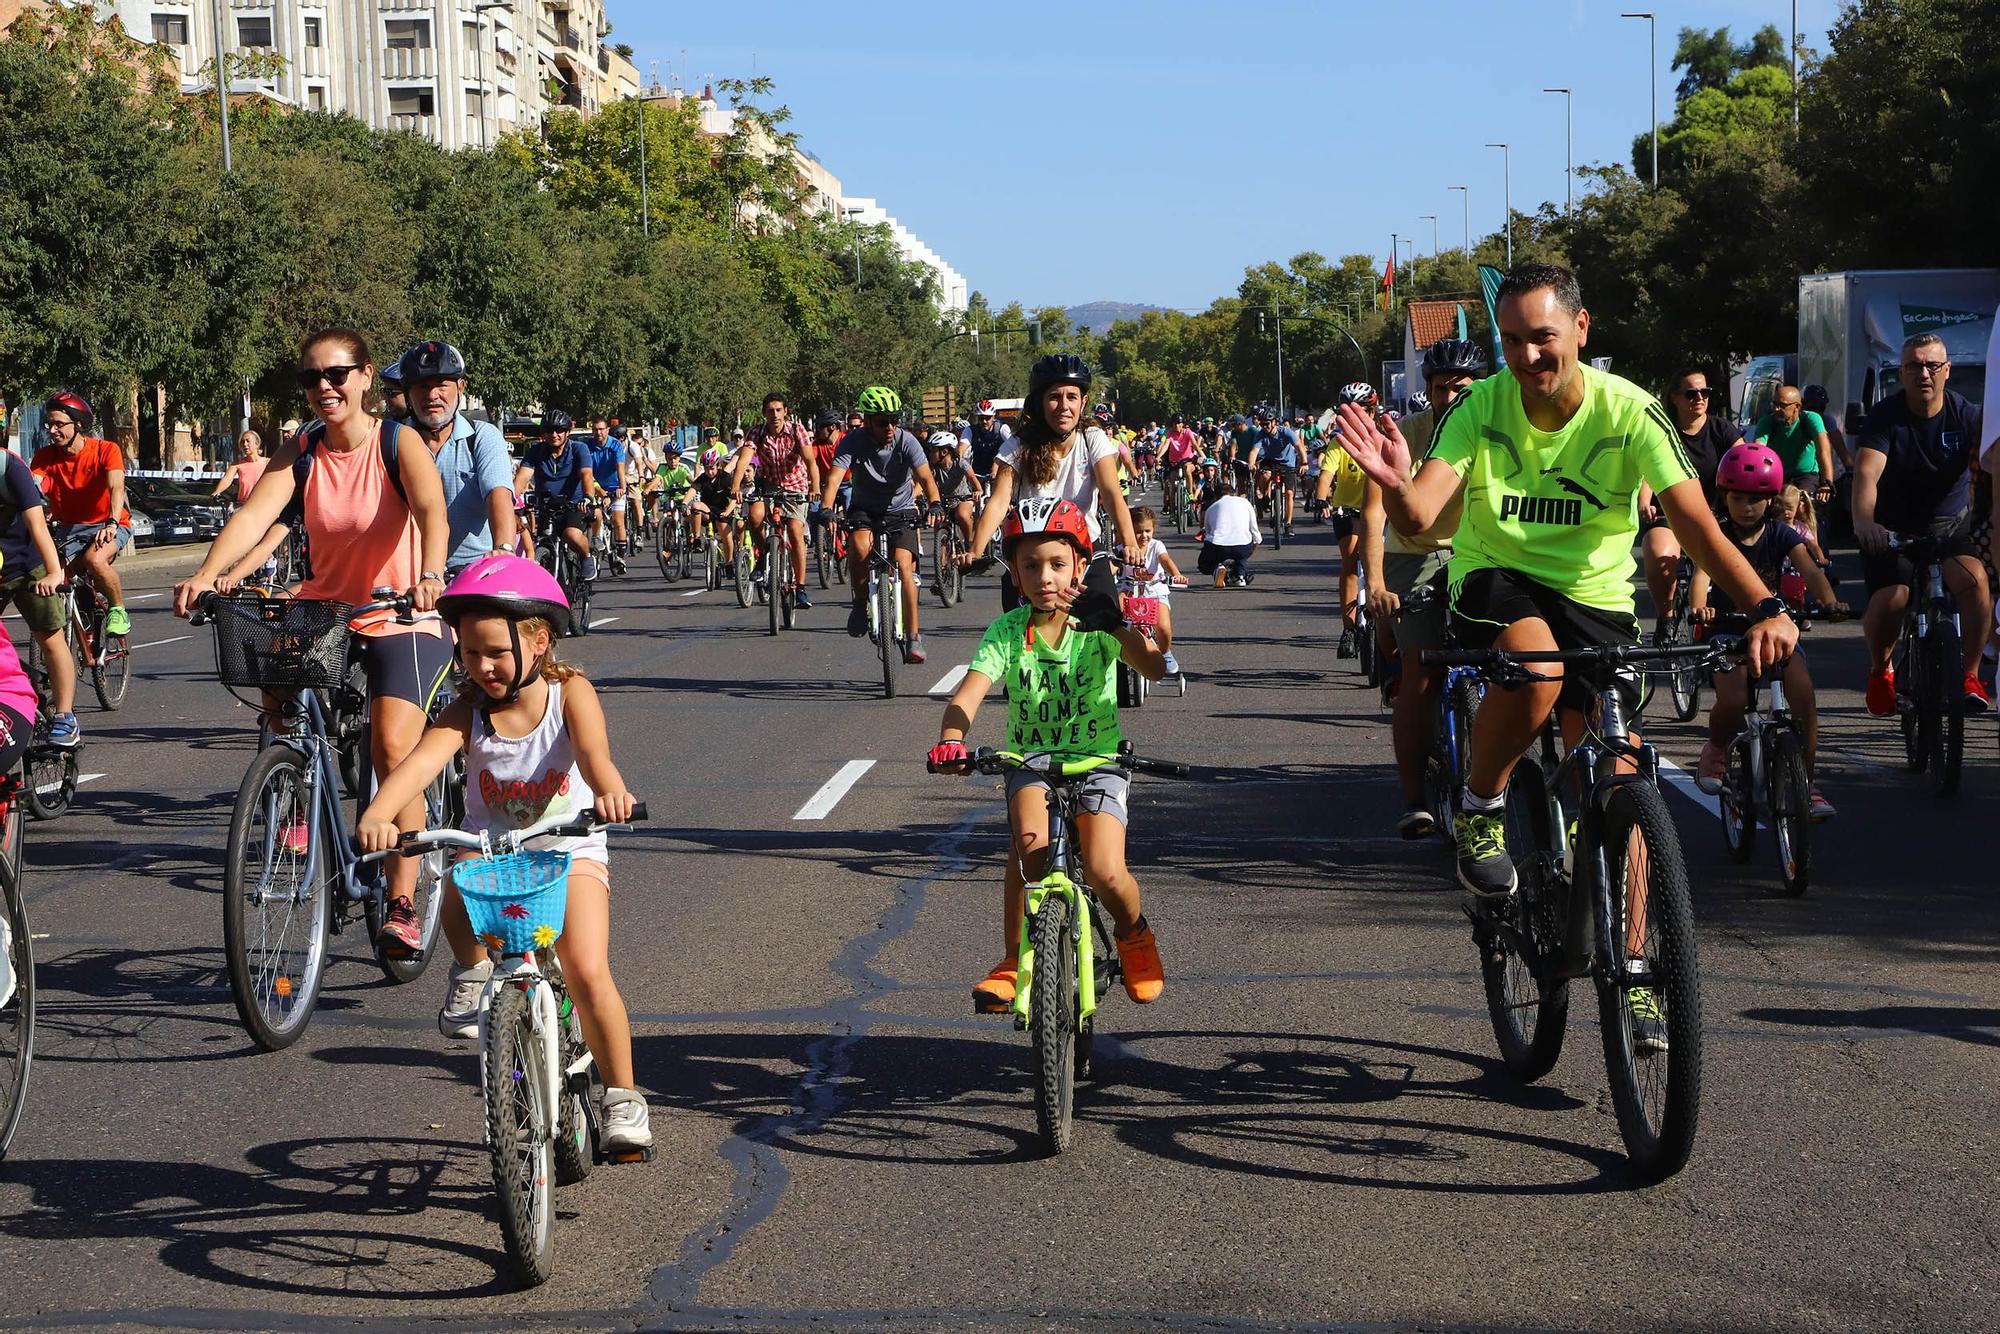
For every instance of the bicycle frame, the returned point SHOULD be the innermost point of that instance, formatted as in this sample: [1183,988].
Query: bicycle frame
[359,882]
[1063,878]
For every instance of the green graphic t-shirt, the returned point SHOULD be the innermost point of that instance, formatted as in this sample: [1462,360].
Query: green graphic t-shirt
[1062,698]
[1560,507]
[675,479]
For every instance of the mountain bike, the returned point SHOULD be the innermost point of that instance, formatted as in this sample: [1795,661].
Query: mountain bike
[1451,742]
[1765,778]
[536,1074]
[17,966]
[1067,958]
[1603,893]
[947,573]
[776,588]
[673,545]
[553,550]
[829,549]
[1929,661]
[886,629]
[107,656]
[602,549]
[293,878]
[1179,504]
[1271,510]
[1675,628]
[49,773]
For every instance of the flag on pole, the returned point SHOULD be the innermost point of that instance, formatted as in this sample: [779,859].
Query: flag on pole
[1388,292]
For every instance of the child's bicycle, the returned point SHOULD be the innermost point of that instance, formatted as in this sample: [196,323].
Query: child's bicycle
[536,1074]
[1144,613]
[1765,776]
[1067,959]
[293,878]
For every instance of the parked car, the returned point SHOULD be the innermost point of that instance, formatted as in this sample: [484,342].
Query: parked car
[173,513]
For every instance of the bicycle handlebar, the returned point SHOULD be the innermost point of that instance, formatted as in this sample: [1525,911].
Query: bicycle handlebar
[987,760]
[418,842]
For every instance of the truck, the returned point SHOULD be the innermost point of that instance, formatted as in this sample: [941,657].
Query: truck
[1852,326]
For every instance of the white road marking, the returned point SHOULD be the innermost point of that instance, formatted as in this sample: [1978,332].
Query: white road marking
[1684,780]
[694,592]
[157,642]
[949,682]
[81,779]
[602,620]
[831,791]
[143,597]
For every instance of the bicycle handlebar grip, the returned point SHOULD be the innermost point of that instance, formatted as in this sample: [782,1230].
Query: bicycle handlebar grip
[1159,768]
[638,812]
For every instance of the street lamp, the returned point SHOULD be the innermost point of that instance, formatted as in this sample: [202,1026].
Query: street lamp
[221,80]
[1569,139]
[1507,196]
[1432,219]
[855,213]
[479,51]
[1465,209]
[1653,62]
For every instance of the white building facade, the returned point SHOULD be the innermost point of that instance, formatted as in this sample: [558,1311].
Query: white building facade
[458,72]
[952,291]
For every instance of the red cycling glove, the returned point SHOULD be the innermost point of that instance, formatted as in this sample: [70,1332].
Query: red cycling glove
[947,754]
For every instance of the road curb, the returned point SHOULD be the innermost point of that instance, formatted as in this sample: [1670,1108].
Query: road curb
[176,559]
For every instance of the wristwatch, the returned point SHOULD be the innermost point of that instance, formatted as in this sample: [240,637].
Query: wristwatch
[427,576]
[1768,609]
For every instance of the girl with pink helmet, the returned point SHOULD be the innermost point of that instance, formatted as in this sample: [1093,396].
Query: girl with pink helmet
[535,742]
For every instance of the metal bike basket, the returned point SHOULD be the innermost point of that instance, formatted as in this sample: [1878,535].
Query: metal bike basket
[516,899]
[281,643]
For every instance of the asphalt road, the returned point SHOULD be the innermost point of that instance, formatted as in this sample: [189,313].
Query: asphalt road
[1310,1129]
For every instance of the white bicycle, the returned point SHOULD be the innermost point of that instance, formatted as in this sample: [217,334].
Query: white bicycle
[536,1074]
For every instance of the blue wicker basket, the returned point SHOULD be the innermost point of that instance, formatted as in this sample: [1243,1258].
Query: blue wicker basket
[517,899]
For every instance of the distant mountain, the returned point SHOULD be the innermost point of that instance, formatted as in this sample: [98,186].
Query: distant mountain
[1099,316]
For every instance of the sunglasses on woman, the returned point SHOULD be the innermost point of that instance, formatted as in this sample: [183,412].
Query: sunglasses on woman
[309,377]
[1696,393]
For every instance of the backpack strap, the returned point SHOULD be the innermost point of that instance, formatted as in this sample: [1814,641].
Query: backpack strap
[309,442]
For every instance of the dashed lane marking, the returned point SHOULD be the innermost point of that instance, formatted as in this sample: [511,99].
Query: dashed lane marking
[1684,781]
[823,801]
[602,620]
[949,682]
[157,642]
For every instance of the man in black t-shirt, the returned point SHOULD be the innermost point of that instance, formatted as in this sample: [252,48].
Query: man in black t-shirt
[1912,475]
[1705,436]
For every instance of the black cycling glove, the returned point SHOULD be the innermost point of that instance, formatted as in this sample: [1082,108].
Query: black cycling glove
[1098,610]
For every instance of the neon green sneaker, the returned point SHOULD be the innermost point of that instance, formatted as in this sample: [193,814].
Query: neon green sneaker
[1649,1021]
[117,622]
[1484,868]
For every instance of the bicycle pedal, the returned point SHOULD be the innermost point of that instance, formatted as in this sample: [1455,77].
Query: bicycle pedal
[627,1156]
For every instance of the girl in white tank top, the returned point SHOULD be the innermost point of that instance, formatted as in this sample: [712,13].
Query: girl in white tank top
[511,782]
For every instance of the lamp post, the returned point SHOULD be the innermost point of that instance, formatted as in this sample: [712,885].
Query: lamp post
[847,212]
[1569,142]
[1465,208]
[1653,66]
[1507,196]
[479,51]
[1432,219]
[1395,242]
[221,80]
[1795,64]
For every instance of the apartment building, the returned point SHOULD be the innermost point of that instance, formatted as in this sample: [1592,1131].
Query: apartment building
[952,288]
[459,72]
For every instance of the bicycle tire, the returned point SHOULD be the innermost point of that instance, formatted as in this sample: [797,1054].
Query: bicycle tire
[1277,529]
[1530,1016]
[520,1135]
[888,616]
[582,1095]
[429,898]
[666,549]
[823,556]
[49,777]
[1684,692]
[579,608]
[1947,696]
[740,568]
[1658,1140]
[1912,687]
[1052,1023]
[1738,802]
[941,561]
[1791,812]
[273,792]
[775,552]
[712,562]
[17,1012]
[111,674]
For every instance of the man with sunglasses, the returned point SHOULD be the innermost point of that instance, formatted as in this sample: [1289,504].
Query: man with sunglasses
[1705,437]
[561,476]
[1799,436]
[1912,474]
[83,479]
[889,470]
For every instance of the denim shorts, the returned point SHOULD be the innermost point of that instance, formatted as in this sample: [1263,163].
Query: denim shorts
[73,539]
[1101,792]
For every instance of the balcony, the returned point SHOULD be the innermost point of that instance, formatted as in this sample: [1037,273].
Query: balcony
[402,62]
[312,61]
[427,126]
[603,60]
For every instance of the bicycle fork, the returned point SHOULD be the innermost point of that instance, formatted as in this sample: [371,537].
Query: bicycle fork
[523,972]
[1080,935]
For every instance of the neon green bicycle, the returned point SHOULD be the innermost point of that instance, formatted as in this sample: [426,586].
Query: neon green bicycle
[1064,965]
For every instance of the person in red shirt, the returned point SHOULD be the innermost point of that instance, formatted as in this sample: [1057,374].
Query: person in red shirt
[83,479]
[781,452]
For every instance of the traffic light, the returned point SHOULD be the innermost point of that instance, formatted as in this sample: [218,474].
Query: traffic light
[1034,333]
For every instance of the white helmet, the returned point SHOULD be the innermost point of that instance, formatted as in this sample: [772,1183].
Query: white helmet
[942,440]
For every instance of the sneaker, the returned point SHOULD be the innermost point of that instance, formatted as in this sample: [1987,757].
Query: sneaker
[1484,868]
[1976,698]
[117,622]
[857,621]
[994,993]
[1819,809]
[1649,1022]
[1139,961]
[460,1016]
[589,570]
[1882,692]
[1709,769]
[1346,648]
[1246,579]
[401,933]
[801,602]
[1173,668]
[1416,823]
[913,652]
[64,732]
[628,1124]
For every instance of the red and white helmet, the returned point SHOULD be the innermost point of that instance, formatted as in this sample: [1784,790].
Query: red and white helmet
[1751,468]
[1046,514]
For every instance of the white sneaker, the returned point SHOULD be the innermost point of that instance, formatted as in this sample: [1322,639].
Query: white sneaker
[627,1122]
[460,1016]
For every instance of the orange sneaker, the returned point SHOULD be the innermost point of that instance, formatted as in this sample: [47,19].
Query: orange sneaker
[1139,961]
[994,994]
[1882,692]
[1976,698]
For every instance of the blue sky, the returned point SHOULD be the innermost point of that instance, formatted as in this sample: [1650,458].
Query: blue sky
[1149,152]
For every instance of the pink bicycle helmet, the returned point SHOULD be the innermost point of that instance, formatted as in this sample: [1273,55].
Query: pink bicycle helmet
[510,585]
[1751,468]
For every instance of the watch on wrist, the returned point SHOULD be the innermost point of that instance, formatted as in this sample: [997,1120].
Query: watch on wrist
[427,577]
[1769,609]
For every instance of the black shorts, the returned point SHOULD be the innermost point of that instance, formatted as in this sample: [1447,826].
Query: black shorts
[896,527]
[1486,602]
[1286,477]
[1345,523]
[1892,569]
[409,667]
[1097,577]
[553,512]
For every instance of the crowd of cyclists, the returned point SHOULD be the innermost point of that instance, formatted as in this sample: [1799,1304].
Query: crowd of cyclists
[1501,510]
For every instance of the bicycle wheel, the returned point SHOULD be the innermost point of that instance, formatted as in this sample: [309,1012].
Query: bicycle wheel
[520,1134]
[711,556]
[275,910]
[1684,685]
[49,780]
[666,551]
[1656,1092]
[822,553]
[427,898]
[1739,802]
[111,674]
[1946,735]
[1277,529]
[582,1096]
[889,617]
[579,607]
[1791,811]
[740,570]
[1052,1022]
[1912,690]
[1529,1015]
[17,989]
[776,557]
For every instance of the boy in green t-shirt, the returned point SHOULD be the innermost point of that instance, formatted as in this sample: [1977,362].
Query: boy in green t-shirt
[672,484]
[1057,655]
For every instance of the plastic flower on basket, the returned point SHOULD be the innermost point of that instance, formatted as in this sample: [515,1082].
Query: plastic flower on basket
[492,942]
[545,936]
[515,910]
